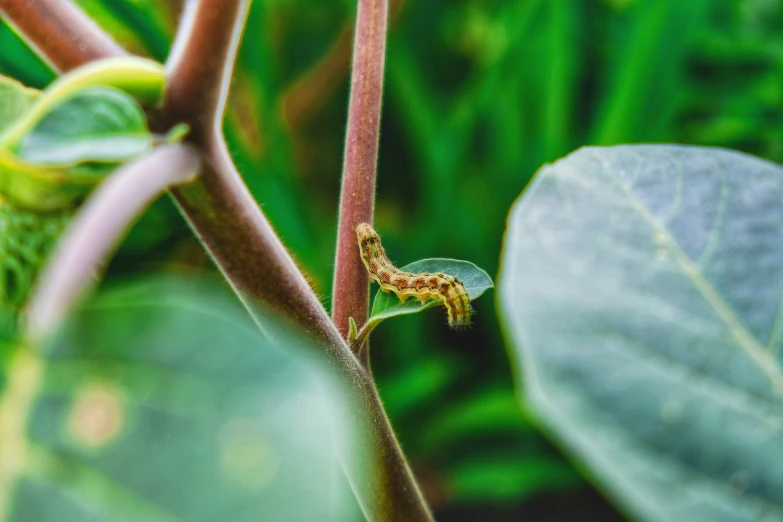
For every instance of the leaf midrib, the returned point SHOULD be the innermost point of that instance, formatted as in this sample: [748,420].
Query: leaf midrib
[744,338]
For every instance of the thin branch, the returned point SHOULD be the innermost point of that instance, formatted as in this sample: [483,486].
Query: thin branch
[60,32]
[358,344]
[351,292]
[244,246]
[99,226]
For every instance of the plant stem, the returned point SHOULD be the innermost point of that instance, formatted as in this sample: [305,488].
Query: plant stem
[226,218]
[97,228]
[351,291]
[362,335]
[219,207]
[60,32]
[201,64]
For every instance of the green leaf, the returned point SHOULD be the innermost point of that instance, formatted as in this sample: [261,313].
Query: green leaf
[15,100]
[99,124]
[163,401]
[476,282]
[140,26]
[19,61]
[142,78]
[351,330]
[641,290]
[54,150]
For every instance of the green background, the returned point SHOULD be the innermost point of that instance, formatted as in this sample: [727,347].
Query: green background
[478,95]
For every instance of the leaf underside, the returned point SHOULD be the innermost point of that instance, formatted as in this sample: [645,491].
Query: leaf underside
[641,289]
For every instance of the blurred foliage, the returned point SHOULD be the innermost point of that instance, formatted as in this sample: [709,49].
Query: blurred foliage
[56,145]
[195,416]
[479,94]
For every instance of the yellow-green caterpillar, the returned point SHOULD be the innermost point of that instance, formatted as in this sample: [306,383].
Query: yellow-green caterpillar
[424,286]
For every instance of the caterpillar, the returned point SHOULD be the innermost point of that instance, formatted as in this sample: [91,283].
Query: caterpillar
[424,286]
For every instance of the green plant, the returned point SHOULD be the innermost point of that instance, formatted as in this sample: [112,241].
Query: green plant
[77,133]
[479,95]
[641,287]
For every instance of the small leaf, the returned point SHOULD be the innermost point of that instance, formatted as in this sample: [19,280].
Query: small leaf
[62,151]
[476,282]
[99,124]
[176,134]
[351,330]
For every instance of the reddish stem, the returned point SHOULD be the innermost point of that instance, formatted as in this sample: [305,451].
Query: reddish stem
[201,64]
[351,296]
[226,218]
[60,31]
[218,206]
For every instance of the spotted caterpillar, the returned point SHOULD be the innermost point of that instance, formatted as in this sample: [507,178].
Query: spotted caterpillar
[424,286]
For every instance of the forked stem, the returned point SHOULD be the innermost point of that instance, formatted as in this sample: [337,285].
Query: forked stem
[219,207]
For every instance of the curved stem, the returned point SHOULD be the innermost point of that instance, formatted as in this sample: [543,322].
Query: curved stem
[100,224]
[201,64]
[60,32]
[358,344]
[351,292]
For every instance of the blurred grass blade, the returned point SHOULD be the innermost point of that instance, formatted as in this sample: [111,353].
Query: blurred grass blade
[19,61]
[507,478]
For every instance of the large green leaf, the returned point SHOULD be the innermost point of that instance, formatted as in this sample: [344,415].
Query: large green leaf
[641,289]
[100,124]
[163,401]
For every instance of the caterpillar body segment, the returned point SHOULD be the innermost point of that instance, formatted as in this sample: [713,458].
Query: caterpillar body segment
[423,286]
